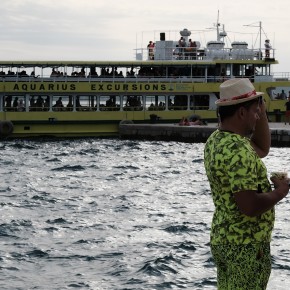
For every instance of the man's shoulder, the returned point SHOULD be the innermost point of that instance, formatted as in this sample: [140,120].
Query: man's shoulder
[225,136]
[228,144]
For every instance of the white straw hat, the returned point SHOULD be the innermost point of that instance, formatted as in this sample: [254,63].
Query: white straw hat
[235,91]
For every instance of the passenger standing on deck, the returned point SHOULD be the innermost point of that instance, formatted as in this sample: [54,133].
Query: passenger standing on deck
[182,42]
[21,107]
[32,103]
[150,48]
[8,103]
[58,104]
[267,48]
[39,104]
[176,52]
[182,45]
[193,47]
[287,113]
[244,201]
[15,104]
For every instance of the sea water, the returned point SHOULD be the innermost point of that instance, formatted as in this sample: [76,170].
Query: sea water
[115,214]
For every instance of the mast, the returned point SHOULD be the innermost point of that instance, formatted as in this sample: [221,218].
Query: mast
[260,32]
[217,27]
[220,34]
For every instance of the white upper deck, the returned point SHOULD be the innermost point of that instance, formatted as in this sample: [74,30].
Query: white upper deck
[188,48]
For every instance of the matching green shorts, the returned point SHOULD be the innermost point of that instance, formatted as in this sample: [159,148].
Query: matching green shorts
[242,267]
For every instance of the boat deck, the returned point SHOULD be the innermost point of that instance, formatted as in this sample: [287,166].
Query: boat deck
[280,133]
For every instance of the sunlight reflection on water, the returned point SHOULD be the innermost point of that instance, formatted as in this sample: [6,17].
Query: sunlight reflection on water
[114,214]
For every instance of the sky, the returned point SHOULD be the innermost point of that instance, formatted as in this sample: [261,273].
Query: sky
[112,29]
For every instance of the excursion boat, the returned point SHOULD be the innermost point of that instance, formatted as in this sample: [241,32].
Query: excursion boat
[169,80]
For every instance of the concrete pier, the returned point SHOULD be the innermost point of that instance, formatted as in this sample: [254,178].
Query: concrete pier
[280,133]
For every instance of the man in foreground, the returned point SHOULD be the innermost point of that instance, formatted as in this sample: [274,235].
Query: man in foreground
[244,201]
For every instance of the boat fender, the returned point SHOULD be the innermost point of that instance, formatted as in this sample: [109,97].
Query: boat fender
[6,128]
[126,122]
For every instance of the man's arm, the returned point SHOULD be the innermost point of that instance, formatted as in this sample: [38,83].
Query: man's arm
[252,203]
[261,139]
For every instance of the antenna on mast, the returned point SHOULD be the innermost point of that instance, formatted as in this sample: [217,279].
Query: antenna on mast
[217,27]
[220,35]
[260,35]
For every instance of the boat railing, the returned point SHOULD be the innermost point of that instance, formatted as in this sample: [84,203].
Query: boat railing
[136,79]
[281,76]
[146,79]
[189,53]
[144,106]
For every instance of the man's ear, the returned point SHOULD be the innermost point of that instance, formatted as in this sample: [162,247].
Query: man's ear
[241,112]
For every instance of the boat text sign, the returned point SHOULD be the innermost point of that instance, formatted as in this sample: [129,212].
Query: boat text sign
[91,87]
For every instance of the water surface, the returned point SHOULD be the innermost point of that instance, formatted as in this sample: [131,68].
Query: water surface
[114,214]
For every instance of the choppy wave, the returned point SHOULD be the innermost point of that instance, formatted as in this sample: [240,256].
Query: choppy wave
[114,214]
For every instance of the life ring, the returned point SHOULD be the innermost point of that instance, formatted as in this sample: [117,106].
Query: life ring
[6,128]
[126,122]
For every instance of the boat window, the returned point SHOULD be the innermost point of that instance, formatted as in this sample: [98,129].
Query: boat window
[133,103]
[109,103]
[174,102]
[60,103]
[85,103]
[39,103]
[270,92]
[14,103]
[179,102]
[199,102]
[155,103]
[278,93]
[148,71]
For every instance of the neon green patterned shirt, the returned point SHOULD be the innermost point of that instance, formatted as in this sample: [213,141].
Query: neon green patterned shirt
[232,165]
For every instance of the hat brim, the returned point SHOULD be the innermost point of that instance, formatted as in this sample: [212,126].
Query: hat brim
[220,102]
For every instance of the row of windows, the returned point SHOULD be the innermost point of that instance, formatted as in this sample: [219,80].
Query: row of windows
[104,103]
[200,71]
